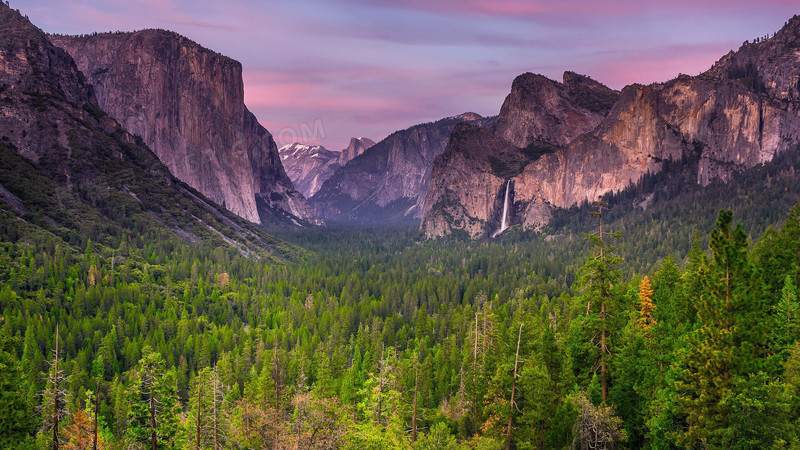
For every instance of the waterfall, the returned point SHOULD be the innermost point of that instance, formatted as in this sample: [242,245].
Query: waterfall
[504,220]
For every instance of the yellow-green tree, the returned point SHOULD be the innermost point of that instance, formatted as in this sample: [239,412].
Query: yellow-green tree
[646,305]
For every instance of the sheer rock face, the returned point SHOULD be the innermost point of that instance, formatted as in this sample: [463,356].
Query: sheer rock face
[467,188]
[49,116]
[389,181]
[741,113]
[187,103]
[308,166]
[540,109]
[357,147]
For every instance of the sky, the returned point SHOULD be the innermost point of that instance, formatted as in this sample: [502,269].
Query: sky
[322,71]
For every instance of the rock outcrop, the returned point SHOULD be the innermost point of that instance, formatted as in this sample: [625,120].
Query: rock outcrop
[389,181]
[540,109]
[187,104]
[739,114]
[72,170]
[356,147]
[467,188]
[308,166]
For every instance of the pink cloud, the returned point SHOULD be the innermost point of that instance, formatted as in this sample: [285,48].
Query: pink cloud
[655,65]
[579,9]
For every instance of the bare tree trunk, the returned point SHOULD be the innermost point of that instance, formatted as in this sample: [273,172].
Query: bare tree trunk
[380,386]
[414,419]
[216,418]
[55,398]
[603,352]
[153,436]
[475,351]
[96,415]
[603,347]
[513,391]
[483,339]
[197,416]
[275,374]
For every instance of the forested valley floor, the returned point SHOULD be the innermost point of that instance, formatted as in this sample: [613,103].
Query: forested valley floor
[667,330]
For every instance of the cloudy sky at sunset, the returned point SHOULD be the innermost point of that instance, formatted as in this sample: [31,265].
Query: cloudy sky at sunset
[340,68]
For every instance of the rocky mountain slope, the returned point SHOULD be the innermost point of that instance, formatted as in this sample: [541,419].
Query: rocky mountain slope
[739,114]
[70,171]
[187,103]
[308,166]
[388,182]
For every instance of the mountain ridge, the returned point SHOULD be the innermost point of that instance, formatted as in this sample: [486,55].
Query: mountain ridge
[388,182]
[729,117]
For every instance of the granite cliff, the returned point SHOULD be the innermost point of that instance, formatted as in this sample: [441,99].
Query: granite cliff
[356,147]
[187,104]
[741,113]
[388,182]
[540,109]
[69,170]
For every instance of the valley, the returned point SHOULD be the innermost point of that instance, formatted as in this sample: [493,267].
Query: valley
[590,268]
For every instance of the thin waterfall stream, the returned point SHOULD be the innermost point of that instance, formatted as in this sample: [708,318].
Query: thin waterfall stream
[504,220]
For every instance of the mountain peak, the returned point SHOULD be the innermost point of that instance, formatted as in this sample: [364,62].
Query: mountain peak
[308,165]
[766,65]
[298,150]
[87,168]
[356,147]
[469,116]
[540,109]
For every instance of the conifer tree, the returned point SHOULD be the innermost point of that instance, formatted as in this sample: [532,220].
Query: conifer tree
[154,408]
[787,311]
[16,426]
[646,306]
[726,362]
[600,276]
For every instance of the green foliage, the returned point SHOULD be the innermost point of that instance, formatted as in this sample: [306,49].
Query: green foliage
[307,347]
[18,424]
[153,417]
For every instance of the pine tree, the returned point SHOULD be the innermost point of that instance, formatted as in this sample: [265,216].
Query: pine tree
[380,392]
[78,434]
[787,312]
[726,360]
[512,405]
[599,278]
[154,408]
[16,426]
[208,423]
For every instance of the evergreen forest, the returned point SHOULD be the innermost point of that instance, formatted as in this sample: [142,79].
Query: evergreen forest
[670,326]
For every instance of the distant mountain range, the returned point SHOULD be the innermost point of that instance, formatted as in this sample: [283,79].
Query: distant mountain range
[309,166]
[389,181]
[121,110]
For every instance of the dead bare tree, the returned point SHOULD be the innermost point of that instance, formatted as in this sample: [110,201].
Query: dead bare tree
[512,405]
[53,408]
